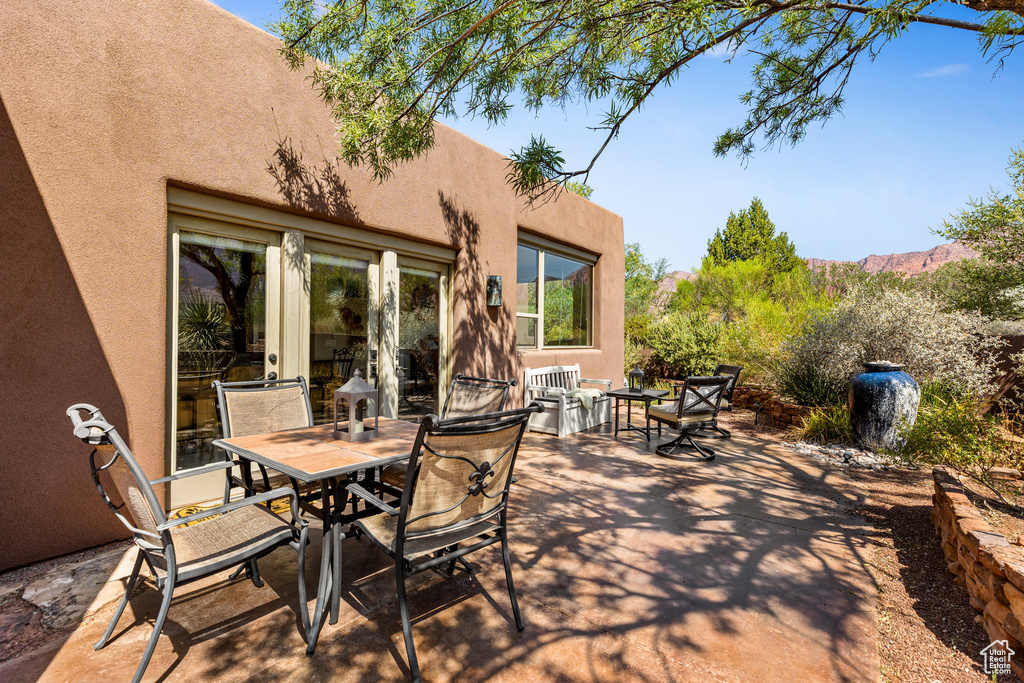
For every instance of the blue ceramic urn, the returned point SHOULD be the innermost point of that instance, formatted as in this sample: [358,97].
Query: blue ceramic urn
[883,405]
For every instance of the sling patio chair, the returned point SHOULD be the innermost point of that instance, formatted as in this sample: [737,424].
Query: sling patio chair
[466,396]
[184,549]
[454,501]
[694,407]
[733,372]
[258,407]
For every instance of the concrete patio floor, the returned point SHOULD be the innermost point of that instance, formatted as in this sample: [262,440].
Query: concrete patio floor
[629,566]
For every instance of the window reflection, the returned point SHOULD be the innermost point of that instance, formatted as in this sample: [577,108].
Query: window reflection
[566,301]
[221,333]
[338,326]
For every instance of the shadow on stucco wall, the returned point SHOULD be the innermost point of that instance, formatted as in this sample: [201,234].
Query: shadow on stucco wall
[483,340]
[318,190]
[50,358]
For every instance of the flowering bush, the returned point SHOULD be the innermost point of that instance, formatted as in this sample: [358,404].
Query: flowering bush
[905,327]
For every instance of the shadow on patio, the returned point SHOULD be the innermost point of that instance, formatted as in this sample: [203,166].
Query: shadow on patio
[630,567]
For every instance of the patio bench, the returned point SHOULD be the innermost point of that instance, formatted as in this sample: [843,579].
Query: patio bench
[565,412]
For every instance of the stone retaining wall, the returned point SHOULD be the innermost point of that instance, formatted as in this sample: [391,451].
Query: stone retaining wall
[780,413]
[983,562]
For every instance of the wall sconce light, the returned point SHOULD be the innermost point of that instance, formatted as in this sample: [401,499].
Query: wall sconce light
[494,290]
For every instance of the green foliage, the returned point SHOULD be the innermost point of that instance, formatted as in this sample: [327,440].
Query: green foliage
[565,312]
[995,290]
[810,385]
[202,323]
[643,299]
[686,345]
[994,227]
[909,328]
[759,309]
[830,424]
[750,234]
[633,358]
[387,70]
[951,431]
[582,189]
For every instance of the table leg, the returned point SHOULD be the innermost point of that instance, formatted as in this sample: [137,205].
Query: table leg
[339,504]
[616,416]
[324,586]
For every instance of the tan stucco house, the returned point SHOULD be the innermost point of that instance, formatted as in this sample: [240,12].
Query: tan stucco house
[172,213]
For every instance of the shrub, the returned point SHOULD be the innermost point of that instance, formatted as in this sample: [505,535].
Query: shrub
[634,356]
[686,344]
[810,385]
[905,327]
[827,425]
[950,431]
[759,309]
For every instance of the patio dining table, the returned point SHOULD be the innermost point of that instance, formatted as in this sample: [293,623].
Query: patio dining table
[311,455]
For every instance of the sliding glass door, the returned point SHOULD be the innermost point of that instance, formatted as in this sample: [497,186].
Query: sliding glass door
[249,303]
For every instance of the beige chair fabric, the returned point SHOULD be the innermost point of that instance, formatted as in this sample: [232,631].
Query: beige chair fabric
[267,410]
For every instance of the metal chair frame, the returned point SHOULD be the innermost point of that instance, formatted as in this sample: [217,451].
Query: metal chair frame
[154,547]
[695,396]
[497,532]
[732,371]
[460,380]
[245,481]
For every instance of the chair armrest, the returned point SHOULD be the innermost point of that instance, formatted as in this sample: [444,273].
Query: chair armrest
[605,382]
[205,469]
[373,500]
[535,387]
[553,391]
[237,504]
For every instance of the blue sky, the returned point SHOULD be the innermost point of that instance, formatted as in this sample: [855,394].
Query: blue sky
[925,126]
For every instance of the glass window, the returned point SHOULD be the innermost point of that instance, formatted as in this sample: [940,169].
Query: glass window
[526,280]
[222,296]
[566,302]
[557,314]
[338,323]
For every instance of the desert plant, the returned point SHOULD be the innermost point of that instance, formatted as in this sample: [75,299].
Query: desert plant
[830,424]
[634,356]
[905,327]
[686,344]
[202,322]
[759,308]
[810,385]
[950,431]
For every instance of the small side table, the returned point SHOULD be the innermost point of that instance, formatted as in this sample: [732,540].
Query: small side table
[647,396]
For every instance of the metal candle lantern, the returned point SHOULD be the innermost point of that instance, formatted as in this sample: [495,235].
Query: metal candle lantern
[358,395]
[636,380]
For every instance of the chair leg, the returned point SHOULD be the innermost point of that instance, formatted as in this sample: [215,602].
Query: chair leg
[507,557]
[684,440]
[160,618]
[129,588]
[254,573]
[403,608]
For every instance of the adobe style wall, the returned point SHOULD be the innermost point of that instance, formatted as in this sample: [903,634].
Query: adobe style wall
[983,562]
[102,107]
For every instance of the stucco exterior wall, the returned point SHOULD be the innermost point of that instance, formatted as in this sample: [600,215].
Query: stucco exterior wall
[105,105]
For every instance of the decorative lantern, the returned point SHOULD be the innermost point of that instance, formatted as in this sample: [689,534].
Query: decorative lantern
[636,380]
[358,395]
